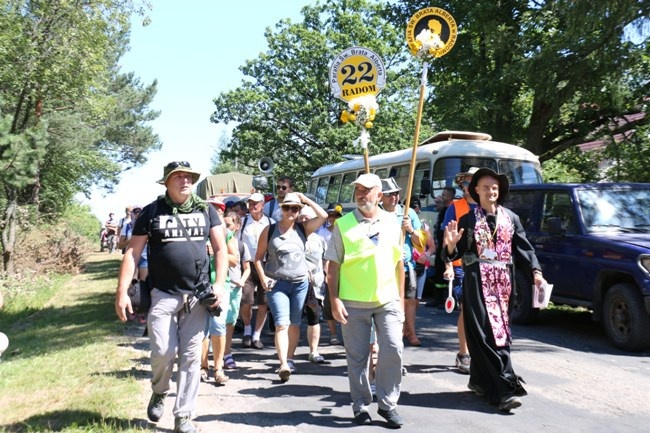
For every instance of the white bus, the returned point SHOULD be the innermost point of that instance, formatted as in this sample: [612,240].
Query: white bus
[438,160]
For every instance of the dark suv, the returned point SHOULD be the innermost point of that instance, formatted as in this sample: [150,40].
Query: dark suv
[593,243]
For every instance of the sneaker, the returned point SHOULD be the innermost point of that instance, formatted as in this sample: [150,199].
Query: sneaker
[392,417]
[508,403]
[334,341]
[316,358]
[247,341]
[292,365]
[182,424]
[463,361]
[156,407]
[362,418]
[476,389]
[258,344]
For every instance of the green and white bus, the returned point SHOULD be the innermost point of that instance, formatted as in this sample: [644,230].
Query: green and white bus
[439,159]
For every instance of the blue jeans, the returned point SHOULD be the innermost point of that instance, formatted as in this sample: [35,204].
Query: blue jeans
[286,300]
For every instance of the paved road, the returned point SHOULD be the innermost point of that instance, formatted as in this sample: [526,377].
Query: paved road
[575,380]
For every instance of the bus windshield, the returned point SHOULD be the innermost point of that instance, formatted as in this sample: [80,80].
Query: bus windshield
[518,172]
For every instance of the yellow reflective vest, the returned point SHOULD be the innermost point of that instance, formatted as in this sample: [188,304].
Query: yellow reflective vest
[367,273]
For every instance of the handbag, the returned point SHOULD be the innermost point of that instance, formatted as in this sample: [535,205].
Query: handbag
[140,294]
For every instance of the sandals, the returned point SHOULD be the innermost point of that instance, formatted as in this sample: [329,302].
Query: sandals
[229,363]
[413,340]
[220,377]
[284,372]
[205,374]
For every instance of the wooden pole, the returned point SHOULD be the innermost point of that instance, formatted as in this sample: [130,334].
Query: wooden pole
[365,159]
[416,139]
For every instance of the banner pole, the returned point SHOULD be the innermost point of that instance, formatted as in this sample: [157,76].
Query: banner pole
[416,139]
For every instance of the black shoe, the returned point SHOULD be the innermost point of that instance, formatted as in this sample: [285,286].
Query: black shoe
[156,407]
[247,341]
[362,418]
[508,403]
[392,417]
[476,389]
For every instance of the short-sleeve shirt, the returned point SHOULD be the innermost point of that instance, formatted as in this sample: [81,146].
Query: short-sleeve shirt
[172,264]
[408,243]
[251,231]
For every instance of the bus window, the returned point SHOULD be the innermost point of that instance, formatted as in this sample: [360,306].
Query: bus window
[312,187]
[421,172]
[321,190]
[382,173]
[446,169]
[401,176]
[347,188]
[333,189]
[519,172]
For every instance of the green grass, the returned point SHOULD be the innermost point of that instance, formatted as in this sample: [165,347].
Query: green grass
[70,365]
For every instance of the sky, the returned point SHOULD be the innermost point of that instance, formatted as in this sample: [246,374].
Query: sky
[194,49]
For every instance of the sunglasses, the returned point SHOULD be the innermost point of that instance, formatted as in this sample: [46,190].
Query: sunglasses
[137,211]
[283,187]
[391,194]
[465,184]
[176,164]
[294,209]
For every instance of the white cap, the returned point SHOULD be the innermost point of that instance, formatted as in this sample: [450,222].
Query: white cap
[368,180]
[256,197]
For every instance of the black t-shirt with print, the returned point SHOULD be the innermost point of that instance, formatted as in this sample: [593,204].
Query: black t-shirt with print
[172,266]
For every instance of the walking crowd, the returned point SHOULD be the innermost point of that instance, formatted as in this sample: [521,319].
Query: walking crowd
[208,263]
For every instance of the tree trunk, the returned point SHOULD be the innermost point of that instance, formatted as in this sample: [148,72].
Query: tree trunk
[9,233]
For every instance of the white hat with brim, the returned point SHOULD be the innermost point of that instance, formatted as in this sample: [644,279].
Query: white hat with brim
[292,199]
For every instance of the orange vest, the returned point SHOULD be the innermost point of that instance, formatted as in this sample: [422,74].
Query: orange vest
[462,208]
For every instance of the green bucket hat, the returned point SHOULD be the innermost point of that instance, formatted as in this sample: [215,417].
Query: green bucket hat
[175,166]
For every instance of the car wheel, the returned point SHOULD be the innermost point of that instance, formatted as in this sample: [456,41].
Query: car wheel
[521,300]
[625,319]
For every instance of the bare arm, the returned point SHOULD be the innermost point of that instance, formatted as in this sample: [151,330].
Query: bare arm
[218,242]
[127,270]
[262,246]
[338,309]
[321,215]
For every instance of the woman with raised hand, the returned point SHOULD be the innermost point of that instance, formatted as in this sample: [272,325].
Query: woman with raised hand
[284,274]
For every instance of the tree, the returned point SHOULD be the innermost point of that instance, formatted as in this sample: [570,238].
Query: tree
[548,75]
[284,108]
[60,87]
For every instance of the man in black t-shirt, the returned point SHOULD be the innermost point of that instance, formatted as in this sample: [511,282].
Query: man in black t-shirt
[175,228]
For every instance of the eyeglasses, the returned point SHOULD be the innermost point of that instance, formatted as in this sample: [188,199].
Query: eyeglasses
[465,183]
[283,187]
[391,194]
[294,209]
[175,164]
[137,211]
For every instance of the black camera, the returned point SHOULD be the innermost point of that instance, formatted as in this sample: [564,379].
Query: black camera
[206,297]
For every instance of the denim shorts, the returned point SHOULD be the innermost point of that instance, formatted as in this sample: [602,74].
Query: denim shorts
[286,301]
[217,324]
